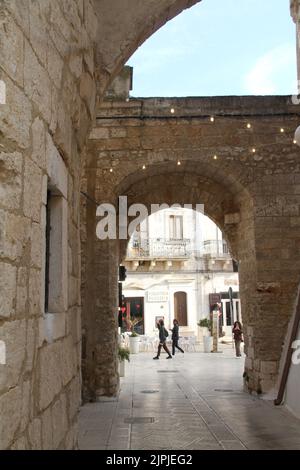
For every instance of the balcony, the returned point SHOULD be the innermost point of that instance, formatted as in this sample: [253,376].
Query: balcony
[159,248]
[214,249]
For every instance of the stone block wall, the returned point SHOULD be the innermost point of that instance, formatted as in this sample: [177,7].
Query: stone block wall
[47,63]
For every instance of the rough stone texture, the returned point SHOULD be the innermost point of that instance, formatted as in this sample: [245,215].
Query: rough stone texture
[43,45]
[54,56]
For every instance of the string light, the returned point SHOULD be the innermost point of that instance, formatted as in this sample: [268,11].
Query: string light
[144,167]
[295,141]
[282,130]
[178,163]
[212,119]
[111,170]
[215,157]
[253,150]
[248,125]
[172,110]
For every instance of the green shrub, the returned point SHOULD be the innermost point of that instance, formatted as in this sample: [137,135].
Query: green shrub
[123,354]
[205,323]
[134,334]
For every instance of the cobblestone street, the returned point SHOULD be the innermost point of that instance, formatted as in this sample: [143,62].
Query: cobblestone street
[192,402]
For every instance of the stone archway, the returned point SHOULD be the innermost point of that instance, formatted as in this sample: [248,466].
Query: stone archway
[137,149]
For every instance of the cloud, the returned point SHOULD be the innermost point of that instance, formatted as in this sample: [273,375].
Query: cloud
[266,76]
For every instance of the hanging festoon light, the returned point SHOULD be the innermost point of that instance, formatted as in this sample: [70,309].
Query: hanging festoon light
[297,136]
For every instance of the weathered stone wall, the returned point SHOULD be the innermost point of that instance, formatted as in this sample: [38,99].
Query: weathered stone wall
[47,63]
[253,196]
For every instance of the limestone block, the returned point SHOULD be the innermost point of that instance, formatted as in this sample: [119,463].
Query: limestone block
[17,104]
[269,367]
[68,363]
[8,282]
[25,415]
[37,241]
[73,398]
[63,132]
[54,65]
[10,412]
[115,133]
[47,437]
[88,91]
[10,179]
[35,434]
[50,382]
[39,11]
[22,292]
[32,191]
[99,133]
[56,168]
[14,336]
[11,48]
[74,324]
[75,64]
[37,83]
[38,143]
[90,20]
[14,235]
[35,292]
[52,327]
[20,12]
[20,444]
[232,219]
[72,438]
[59,421]
[31,341]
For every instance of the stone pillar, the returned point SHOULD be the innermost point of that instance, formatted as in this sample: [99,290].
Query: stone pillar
[100,305]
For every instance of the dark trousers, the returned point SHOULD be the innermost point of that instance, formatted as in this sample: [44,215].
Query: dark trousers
[175,345]
[163,345]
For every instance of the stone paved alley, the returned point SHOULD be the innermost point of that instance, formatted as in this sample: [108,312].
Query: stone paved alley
[192,402]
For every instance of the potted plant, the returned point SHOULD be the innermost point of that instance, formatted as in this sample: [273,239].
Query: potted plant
[206,326]
[123,355]
[134,341]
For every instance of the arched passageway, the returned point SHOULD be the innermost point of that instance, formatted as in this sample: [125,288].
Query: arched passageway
[57,59]
[236,165]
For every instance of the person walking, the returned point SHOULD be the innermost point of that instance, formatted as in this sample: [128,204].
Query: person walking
[175,337]
[163,334]
[237,332]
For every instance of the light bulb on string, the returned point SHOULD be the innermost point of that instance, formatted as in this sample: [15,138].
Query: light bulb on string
[212,119]
[144,167]
[249,125]
[178,163]
[172,110]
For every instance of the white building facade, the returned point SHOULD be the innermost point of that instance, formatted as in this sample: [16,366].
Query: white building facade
[178,266]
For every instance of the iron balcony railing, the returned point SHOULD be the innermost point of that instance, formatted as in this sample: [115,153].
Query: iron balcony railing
[215,249]
[159,248]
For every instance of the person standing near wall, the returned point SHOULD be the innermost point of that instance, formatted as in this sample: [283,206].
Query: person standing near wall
[237,332]
[175,337]
[163,334]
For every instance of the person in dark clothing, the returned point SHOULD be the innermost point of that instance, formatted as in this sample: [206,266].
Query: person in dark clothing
[237,332]
[175,337]
[162,340]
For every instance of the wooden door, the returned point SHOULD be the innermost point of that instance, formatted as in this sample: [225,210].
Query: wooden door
[180,307]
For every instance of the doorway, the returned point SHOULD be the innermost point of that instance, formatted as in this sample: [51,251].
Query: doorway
[180,308]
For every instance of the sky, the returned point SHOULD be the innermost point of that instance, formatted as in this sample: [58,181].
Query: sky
[220,47]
